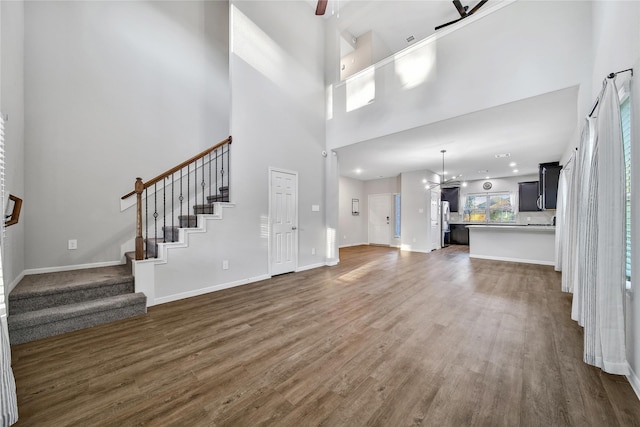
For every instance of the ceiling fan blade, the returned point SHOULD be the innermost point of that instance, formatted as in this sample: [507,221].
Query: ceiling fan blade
[448,23]
[476,7]
[462,10]
[321,7]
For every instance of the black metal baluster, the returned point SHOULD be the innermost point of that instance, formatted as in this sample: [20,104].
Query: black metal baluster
[164,212]
[173,212]
[210,175]
[195,186]
[203,183]
[146,224]
[188,197]
[181,198]
[216,189]
[155,217]
[228,171]
[222,174]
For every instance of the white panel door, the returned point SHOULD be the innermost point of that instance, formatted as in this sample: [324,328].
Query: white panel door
[284,221]
[379,219]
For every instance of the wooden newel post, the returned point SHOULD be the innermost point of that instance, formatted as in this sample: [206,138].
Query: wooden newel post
[139,188]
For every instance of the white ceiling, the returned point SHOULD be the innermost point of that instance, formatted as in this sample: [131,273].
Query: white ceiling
[532,131]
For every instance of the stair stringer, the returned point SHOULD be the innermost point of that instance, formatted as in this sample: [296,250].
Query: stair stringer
[144,270]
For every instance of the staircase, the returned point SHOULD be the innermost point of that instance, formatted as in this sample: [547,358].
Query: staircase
[171,233]
[43,305]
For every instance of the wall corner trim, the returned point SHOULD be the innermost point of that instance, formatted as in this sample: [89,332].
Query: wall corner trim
[634,381]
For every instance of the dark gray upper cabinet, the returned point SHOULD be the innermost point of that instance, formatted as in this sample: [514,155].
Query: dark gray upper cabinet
[451,195]
[528,196]
[548,191]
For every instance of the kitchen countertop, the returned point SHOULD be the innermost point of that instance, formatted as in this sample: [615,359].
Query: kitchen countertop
[521,227]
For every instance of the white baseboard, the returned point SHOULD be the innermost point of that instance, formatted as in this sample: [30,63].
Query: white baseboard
[15,282]
[332,263]
[70,267]
[352,244]
[202,291]
[634,381]
[310,267]
[525,261]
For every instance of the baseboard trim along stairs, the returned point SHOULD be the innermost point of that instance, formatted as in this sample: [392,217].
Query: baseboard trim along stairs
[43,305]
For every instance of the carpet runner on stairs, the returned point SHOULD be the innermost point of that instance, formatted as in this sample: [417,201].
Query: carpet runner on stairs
[43,305]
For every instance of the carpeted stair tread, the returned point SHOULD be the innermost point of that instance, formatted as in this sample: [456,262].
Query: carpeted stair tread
[43,323]
[57,282]
[203,209]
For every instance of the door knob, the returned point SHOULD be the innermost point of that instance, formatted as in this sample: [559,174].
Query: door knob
[294,228]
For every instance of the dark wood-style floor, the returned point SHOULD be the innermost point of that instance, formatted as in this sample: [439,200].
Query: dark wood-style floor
[385,338]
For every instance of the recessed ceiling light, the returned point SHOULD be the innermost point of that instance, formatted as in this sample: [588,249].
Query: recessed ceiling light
[424,180]
[464,184]
[358,171]
[486,177]
[515,171]
[503,155]
[513,164]
[445,172]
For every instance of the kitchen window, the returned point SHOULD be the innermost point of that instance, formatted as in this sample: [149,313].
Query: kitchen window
[491,208]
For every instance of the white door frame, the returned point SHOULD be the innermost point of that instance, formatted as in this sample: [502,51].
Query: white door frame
[270,239]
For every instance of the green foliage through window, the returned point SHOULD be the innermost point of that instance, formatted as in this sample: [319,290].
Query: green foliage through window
[489,208]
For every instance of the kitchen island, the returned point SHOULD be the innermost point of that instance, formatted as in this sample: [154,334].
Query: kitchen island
[532,244]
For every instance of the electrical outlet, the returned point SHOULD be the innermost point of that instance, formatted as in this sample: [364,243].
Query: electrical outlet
[313,251]
[225,264]
[73,244]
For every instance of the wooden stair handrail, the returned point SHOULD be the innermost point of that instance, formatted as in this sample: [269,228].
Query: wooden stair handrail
[180,166]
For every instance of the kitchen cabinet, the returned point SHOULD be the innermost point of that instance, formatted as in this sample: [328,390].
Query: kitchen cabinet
[458,234]
[528,196]
[548,185]
[451,195]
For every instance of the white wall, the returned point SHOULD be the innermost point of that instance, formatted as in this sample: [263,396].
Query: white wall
[12,104]
[113,90]
[415,228]
[353,228]
[503,57]
[616,46]
[277,120]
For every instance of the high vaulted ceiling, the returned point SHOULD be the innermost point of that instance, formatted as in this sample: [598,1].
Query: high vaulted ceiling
[530,131]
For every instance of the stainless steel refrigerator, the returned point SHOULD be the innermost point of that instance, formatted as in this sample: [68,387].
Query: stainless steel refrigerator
[444,221]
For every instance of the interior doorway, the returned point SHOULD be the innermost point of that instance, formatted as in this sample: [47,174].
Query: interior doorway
[283,218]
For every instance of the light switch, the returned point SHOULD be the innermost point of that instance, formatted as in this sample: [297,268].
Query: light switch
[315,208]
[420,210]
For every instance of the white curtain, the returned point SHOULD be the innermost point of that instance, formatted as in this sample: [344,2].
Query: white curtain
[561,208]
[576,275]
[593,260]
[609,350]
[8,400]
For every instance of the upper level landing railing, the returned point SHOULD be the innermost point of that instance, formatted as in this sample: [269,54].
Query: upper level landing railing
[203,175]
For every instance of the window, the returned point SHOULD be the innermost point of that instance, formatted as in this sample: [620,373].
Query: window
[396,203]
[625,114]
[497,207]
